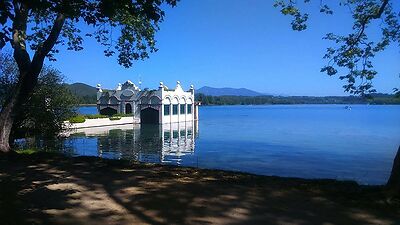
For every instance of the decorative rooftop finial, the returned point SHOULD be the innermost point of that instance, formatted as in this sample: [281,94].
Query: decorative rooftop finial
[119,87]
[178,82]
[161,84]
[98,87]
[191,86]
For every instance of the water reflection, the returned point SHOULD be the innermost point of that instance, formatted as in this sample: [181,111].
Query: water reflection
[167,143]
[308,141]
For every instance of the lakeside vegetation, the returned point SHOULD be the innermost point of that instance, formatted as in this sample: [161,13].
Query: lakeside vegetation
[376,99]
[49,105]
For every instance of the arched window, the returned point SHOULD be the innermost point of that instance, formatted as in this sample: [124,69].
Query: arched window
[167,106]
[175,102]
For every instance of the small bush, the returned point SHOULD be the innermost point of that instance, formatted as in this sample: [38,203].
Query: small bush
[122,115]
[96,116]
[77,119]
[115,118]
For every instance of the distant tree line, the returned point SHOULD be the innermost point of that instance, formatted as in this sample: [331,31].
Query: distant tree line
[269,99]
[376,99]
[86,99]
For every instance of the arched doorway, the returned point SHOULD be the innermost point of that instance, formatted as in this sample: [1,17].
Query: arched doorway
[128,108]
[108,111]
[149,116]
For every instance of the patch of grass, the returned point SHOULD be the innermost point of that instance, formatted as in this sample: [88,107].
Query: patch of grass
[82,118]
[34,152]
[28,151]
[77,119]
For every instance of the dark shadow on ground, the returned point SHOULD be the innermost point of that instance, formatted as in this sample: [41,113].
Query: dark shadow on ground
[54,189]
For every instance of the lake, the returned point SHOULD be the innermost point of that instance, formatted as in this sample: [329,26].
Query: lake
[307,141]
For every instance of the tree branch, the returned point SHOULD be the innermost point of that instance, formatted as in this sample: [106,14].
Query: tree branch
[369,17]
[49,43]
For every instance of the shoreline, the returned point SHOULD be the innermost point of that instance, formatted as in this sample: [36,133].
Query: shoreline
[341,104]
[52,188]
[83,105]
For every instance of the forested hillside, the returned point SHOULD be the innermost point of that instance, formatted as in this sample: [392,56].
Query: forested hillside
[86,94]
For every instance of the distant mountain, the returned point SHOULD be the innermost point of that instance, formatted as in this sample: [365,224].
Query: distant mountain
[81,89]
[86,94]
[227,91]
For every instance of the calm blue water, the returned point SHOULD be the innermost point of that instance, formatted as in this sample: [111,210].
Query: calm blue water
[308,141]
[87,110]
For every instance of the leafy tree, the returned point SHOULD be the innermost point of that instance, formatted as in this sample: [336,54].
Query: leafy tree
[351,55]
[50,104]
[8,76]
[42,25]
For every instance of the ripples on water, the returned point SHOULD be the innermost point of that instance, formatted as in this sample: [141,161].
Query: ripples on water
[309,141]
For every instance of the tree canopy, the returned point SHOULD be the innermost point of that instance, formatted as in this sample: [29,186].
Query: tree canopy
[37,22]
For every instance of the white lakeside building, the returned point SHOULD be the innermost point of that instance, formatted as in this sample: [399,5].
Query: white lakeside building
[159,106]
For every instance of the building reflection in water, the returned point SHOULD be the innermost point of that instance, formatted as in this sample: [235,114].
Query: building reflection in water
[164,143]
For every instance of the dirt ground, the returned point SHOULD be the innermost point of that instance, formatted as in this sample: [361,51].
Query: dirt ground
[54,189]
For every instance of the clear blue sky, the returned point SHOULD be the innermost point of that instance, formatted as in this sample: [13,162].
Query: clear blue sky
[231,43]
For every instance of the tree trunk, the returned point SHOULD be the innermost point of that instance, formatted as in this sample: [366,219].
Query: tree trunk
[6,122]
[26,83]
[393,183]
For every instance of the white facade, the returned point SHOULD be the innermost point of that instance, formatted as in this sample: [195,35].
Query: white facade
[159,106]
[180,104]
